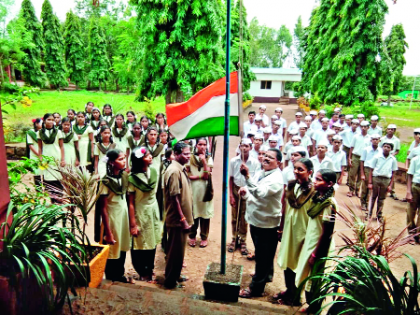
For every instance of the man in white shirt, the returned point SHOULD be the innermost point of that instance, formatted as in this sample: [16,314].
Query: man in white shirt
[289,144]
[236,181]
[320,160]
[348,135]
[359,142]
[294,124]
[263,197]
[309,131]
[278,112]
[374,128]
[414,149]
[320,134]
[263,116]
[413,197]
[258,142]
[259,125]
[306,140]
[347,124]
[366,159]
[390,137]
[317,123]
[248,124]
[338,157]
[278,133]
[381,177]
[273,142]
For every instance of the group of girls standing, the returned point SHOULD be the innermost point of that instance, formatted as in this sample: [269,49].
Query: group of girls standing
[307,229]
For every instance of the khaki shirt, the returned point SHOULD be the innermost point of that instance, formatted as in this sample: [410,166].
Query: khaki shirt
[178,184]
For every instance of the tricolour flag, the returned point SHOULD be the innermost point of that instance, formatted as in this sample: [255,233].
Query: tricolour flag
[204,113]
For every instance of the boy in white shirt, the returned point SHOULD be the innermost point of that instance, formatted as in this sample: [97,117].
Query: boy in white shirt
[330,135]
[289,144]
[263,116]
[306,140]
[278,133]
[347,124]
[309,131]
[278,112]
[381,177]
[258,143]
[413,197]
[316,123]
[296,142]
[374,128]
[266,134]
[294,124]
[338,157]
[320,134]
[390,137]
[248,124]
[259,125]
[321,160]
[366,159]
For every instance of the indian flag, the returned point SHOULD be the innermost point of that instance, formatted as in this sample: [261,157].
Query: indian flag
[204,114]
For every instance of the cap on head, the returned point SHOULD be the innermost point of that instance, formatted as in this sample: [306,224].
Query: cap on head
[294,132]
[337,124]
[374,117]
[324,143]
[325,119]
[364,123]
[246,141]
[279,109]
[309,118]
[278,122]
[322,111]
[272,138]
[303,125]
[355,121]
[259,136]
[360,116]
[313,112]
[338,137]
[298,114]
[274,117]
[392,126]
[267,130]
[375,136]
[296,138]
[258,119]
[337,109]
[350,116]
[263,107]
[330,132]
[417,130]
[297,148]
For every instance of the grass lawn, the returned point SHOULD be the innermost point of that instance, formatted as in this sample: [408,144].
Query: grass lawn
[54,101]
[402,116]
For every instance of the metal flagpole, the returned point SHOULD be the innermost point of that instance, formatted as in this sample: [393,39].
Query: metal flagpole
[226,145]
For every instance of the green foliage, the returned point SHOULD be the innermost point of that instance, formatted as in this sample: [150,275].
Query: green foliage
[298,89]
[31,62]
[402,155]
[89,8]
[39,255]
[54,47]
[269,47]
[247,97]
[407,83]
[149,111]
[99,62]
[315,102]
[342,45]
[74,48]
[367,108]
[299,37]
[395,46]
[369,285]
[182,47]
[240,44]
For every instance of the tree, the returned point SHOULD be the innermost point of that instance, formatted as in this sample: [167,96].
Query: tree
[89,8]
[284,42]
[99,63]
[342,48]
[240,44]
[299,35]
[74,48]
[182,50]
[55,65]
[32,73]
[395,46]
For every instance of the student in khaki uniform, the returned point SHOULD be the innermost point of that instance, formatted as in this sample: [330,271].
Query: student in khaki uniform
[413,197]
[381,177]
[114,213]
[145,226]
[178,212]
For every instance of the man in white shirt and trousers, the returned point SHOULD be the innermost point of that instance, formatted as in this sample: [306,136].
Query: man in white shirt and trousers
[263,195]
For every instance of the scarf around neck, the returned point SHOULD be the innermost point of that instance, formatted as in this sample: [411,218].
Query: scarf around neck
[48,139]
[118,134]
[141,184]
[195,160]
[298,202]
[68,138]
[157,150]
[320,203]
[80,131]
[103,149]
[115,186]
[131,140]
[32,134]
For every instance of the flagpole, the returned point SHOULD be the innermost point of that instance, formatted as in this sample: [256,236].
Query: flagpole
[226,144]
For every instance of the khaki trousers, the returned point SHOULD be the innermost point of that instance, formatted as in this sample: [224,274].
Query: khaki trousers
[354,174]
[347,150]
[364,196]
[239,214]
[379,191]
[204,225]
[412,210]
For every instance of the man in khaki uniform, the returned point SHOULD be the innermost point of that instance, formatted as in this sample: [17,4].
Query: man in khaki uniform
[413,197]
[178,213]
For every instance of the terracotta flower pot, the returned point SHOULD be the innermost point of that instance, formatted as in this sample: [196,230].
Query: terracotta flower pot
[97,266]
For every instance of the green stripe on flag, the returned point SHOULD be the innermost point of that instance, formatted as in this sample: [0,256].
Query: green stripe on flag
[214,127]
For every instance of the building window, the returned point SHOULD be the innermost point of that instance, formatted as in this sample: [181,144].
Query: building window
[265,85]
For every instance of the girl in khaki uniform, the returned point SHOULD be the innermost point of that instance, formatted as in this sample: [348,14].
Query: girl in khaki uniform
[145,225]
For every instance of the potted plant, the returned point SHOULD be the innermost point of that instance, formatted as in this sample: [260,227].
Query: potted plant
[35,262]
[80,193]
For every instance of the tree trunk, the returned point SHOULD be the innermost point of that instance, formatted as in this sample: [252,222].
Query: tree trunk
[389,100]
[100,86]
[168,97]
[104,86]
[179,96]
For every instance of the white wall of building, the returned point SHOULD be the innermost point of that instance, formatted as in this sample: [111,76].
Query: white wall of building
[275,91]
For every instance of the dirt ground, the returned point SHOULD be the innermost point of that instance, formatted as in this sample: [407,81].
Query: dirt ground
[197,259]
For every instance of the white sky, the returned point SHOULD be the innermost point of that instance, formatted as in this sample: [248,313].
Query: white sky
[274,13]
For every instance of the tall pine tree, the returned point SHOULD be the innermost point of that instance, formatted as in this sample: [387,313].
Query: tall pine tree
[99,63]
[395,46]
[343,43]
[32,73]
[182,46]
[74,48]
[55,65]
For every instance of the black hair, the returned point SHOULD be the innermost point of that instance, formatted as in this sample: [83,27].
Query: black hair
[72,110]
[57,114]
[341,115]
[84,115]
[151,128]
[103,109]
[135,124]
[302,153]
[168,153]
[252,112]
[179,147]
[308,164]
[64,120]
[328,175]
[278,154]
[142,117]
[112,156]
[137,163]
[46,116]
[390,144]
[164,117]
[103,128]
[115,121]
[196,142]
[132,113]
[37,121]
[88,104]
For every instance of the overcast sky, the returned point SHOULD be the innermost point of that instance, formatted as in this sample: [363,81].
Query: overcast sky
[274,13]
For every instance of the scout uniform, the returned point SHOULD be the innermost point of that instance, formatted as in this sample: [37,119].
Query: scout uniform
[412,210]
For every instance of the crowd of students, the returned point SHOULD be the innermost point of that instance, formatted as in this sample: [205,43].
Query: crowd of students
[129,157]
[316,153]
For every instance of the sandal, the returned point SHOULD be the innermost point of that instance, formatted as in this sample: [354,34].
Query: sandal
[250,256]
[203,243]
[244,250]
[245,293]
[192,242]
[231,247]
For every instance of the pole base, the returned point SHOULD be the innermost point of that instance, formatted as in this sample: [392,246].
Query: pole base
[223,287]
